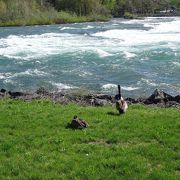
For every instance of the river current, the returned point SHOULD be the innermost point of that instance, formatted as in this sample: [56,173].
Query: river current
[141,55]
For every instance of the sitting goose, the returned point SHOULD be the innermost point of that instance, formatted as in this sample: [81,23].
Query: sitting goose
[121,104]
[79,123]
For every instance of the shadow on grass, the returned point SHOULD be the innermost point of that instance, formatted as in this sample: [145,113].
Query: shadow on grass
[69,126]
[113,113]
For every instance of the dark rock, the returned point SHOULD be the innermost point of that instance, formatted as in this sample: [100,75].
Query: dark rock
[103,96]
[158,97]
[1,95]
[140,100]
[3,91]
[42,91]
[130,100]
[172,104]
[99,102]
[177,98]
[15,94]
[30,97]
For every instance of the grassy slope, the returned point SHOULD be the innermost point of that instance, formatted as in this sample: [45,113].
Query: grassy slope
[61,18]
[34,143]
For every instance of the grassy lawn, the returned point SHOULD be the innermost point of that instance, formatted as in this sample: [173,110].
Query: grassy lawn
[35,143]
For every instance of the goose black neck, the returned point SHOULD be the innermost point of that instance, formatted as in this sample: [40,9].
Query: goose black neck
[119,91]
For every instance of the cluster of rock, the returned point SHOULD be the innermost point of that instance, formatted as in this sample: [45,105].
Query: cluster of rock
[158,98]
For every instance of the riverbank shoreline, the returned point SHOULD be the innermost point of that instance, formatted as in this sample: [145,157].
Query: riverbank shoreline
[83,20]
[59,21]
[158,98]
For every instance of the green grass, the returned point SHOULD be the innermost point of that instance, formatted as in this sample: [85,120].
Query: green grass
[54,18]
[35,144]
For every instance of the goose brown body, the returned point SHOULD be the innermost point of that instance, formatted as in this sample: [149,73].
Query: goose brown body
[121,106]
[79,123]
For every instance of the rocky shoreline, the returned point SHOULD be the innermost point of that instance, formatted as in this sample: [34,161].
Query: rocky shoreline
[158,98]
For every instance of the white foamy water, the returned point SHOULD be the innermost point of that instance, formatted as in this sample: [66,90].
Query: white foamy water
[147,82]
[65,28]
[5,75]
[37,46]
[102,53]
[9,81]
[114,86]
[61,86]
[75,28]
[126,88]
[167,27]
[88,27]
[129,54]
[109,86]
[160,32]
[176,63]
[139,37]
[32,46]
[29,72]
[84,73]
[2,76]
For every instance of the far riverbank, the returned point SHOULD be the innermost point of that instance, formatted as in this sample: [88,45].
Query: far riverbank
[66,18]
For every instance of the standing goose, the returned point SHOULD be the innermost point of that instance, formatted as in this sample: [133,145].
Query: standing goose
[121,104]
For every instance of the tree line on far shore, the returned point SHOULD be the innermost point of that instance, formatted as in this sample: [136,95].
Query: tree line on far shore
[27,12]
[114,7]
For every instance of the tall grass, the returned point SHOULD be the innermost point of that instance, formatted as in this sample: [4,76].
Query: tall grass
[17,13]
[35,144]
[46,18]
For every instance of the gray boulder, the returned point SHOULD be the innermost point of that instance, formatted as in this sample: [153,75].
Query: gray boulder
[159,96]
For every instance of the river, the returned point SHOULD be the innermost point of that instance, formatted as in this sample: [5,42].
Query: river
[141,55]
